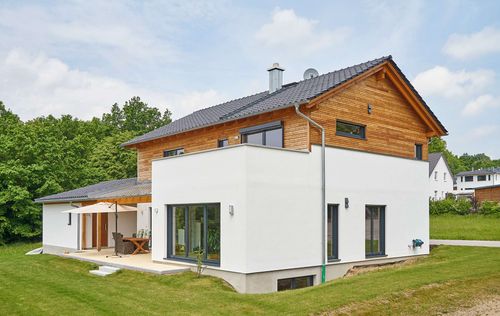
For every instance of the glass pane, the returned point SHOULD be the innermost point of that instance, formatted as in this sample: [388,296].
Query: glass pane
[284,284]
[368,231]
[179,227]
[330,234]
[376,230]
[254,139]
[351,129]
[303,282]
[223,143]
[196,228]
[213,236]
[274,138]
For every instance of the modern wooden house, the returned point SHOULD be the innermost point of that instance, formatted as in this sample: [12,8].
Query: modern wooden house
[281,189]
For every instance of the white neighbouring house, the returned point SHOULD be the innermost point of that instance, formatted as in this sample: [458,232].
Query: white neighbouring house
[244,182]
[440,177]
[467,181]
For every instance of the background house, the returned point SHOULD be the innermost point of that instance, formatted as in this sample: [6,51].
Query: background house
[440,177]
[467,181]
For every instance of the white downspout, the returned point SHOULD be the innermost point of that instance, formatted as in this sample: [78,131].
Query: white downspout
[323,192]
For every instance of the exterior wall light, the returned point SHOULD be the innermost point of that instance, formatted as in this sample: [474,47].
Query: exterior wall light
[369,108]
[346,203]
[231,209]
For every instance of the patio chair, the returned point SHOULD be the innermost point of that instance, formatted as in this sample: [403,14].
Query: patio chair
[123,247]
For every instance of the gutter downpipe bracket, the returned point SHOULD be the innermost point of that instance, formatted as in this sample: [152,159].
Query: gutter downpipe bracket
[323,189]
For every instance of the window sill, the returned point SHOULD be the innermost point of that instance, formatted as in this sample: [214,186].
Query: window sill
[350,136]
[333,260]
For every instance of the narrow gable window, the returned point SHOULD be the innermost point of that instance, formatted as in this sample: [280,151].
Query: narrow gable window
[173,152]
[350,130]
[418,151]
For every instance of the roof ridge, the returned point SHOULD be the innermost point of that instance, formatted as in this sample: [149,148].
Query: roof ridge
[219,104]
[246,106]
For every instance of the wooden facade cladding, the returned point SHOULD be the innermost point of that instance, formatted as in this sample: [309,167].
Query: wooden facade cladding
[295,130]
[393,127]
[487,194]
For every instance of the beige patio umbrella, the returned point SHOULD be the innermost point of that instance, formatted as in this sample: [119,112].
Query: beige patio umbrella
[103,207]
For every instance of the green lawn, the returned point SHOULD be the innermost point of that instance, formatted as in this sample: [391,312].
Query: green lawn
[451,278]
[471,227]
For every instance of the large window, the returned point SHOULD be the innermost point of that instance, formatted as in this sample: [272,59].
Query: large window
[194,230]
[469,178]
[333,232]
[481,178]
[173,152]
[269,134]
[295,283]
[374,230]
[350,130]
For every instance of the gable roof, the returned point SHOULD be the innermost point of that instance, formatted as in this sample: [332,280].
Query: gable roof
[289,95]
[108,189]
[433,161]
[479,172]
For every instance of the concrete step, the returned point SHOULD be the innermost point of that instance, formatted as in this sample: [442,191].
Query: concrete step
[99,272]
[109,269]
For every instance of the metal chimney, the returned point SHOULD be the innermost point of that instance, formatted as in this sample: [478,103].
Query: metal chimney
[275,77]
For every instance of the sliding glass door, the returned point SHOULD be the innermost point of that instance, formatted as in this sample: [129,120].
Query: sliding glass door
[194,230]
[374,230]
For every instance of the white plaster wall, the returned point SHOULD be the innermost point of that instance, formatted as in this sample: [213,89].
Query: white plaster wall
[56,231]
[217,176]
[143,216]
[462,186]
[369,179]
[127,225]
[276,194]
[439,184]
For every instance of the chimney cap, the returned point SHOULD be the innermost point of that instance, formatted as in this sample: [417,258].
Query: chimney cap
[276,66]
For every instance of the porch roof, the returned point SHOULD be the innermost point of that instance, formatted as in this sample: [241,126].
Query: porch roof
[102,207]
[122,188]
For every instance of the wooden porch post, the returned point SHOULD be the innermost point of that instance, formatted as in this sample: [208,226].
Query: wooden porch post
[84,231]
[98,231]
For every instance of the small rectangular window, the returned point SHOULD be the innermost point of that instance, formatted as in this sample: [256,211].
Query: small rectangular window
[435,175]
[489,177]
[69,219]
[269,134]
[469,178]
[222,143]
[173,152]
[350,130]
[418,152]
[481,178]
[295,283]
[444,177]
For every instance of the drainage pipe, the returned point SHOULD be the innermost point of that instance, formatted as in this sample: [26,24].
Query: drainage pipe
[323,191]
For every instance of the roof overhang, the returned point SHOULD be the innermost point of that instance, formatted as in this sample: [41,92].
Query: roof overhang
[102,207]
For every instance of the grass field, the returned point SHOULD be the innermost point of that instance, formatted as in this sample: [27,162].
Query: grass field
[469,227]
[451,278]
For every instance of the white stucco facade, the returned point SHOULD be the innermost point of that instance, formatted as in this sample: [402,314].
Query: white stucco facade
[468,181]
[276,196]
[440,181]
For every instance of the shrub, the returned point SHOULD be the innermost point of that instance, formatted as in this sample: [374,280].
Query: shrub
[489,208]
[461,206]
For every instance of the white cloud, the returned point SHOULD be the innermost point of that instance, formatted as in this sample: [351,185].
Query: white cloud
[38,85]
[444,82]
[287,31]
[480,104]
[483,131]
[464,46]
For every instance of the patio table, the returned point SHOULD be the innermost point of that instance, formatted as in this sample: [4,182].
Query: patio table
[138,243]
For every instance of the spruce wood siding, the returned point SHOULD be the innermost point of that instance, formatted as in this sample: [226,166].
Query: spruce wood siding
[295,131]
[393,128]
[488,194]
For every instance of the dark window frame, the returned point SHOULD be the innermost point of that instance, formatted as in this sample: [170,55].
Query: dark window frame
[293,282]
[170,233]
[469,178]
[381,253]
[481,178]
[333,212]
[177,152]
[220,142]
[345,134]
[419,151]
[263,129]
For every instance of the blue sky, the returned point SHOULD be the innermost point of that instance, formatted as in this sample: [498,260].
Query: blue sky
[79,57]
